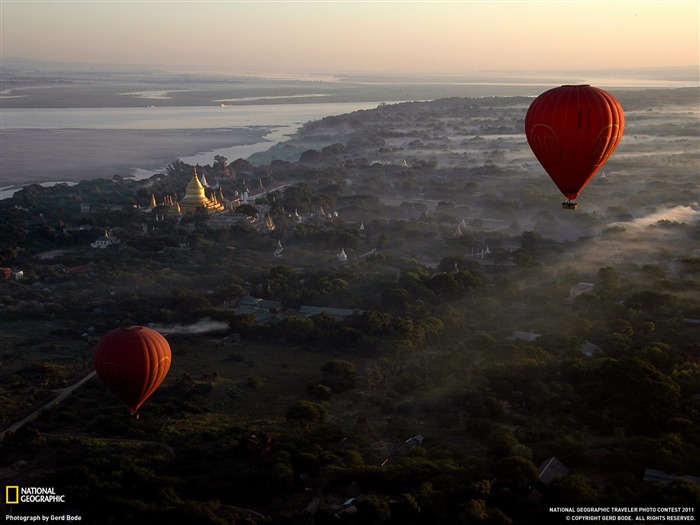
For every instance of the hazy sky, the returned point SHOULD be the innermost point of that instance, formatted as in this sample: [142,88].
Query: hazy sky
[450,37]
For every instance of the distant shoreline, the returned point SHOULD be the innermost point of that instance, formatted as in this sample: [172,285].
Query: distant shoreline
[38,84]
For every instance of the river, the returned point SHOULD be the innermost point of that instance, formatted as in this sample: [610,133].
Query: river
[53,145]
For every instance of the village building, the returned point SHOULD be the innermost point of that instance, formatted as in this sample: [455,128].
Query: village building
[550,470]
[15,275]
[581,288]
[104,241]
[524,336]
[338,314]
[665,477]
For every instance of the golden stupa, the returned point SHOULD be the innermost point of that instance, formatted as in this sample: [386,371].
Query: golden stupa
[196,198]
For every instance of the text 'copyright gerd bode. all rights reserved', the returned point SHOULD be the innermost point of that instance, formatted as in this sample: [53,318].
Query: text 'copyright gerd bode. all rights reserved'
[629,514]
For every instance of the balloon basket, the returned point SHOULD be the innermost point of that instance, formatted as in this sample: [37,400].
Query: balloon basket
[569,205]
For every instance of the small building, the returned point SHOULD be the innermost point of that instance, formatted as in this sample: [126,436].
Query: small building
[552,469]
[415,440]
[265,311]
[409,445]
[580,288]
[617,258]
[588,349]
[524,336]
[337,313]
[104,241]
[255,302]
[651,474]
[81,228]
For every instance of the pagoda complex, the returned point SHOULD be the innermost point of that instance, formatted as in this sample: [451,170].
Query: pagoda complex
[196,198]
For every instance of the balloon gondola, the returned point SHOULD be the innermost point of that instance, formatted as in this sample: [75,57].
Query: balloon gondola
[132,362]
[573,131]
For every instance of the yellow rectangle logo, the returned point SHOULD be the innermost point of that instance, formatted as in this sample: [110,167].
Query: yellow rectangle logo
[11,495]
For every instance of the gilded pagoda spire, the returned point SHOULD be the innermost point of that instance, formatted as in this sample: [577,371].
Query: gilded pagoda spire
[195,197]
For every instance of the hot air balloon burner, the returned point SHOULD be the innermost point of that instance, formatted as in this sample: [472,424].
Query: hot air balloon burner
[569,205]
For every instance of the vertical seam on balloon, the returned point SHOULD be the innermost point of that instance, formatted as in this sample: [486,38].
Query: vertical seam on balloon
[152,368]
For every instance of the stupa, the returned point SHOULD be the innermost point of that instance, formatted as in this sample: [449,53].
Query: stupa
[196,198]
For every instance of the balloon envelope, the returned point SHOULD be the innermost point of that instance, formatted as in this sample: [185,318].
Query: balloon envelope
[132,363]
[573,130]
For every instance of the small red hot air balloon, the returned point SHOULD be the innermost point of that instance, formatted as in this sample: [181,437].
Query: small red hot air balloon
[573,130]
[132,363]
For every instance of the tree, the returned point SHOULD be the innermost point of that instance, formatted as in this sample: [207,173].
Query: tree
[457,264]
[474,511]
[219,164]
[242,166]
[530,241]
[621,327]
[306,413]
[310,155]
[373,510]
[247,209]
[382,241]
[339,375]
[655,303]
[516,471]
[572,489]
[523,258]
[296,329]
[339,367]
[333,149]
[638,394]
[407,509]
[444,285]
[610,285]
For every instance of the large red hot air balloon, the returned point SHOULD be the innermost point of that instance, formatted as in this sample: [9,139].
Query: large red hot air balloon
[132,363]
[573,130]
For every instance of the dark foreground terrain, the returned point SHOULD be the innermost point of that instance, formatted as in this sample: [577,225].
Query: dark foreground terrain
[474,332]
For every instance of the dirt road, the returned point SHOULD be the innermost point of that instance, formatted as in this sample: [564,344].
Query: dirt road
[63,394]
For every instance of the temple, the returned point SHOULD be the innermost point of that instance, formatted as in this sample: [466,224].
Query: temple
[196,198]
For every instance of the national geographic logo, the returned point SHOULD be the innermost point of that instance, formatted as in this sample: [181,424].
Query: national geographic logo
[15,494]
[11,495]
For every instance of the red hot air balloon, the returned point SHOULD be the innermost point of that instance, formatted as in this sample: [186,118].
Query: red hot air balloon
[132,363]
[573,130]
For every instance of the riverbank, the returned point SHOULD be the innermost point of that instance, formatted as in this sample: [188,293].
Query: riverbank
[54,155]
